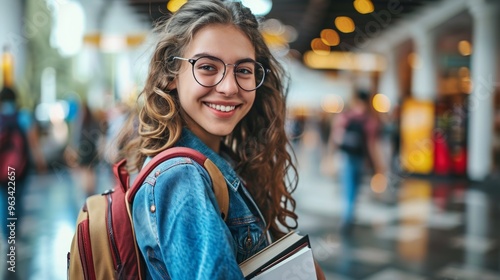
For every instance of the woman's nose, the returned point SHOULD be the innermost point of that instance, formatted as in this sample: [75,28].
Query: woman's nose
[228,85]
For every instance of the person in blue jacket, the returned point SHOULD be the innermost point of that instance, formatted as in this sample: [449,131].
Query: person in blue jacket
[214,86]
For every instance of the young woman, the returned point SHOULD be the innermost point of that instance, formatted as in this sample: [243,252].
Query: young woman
[213,86]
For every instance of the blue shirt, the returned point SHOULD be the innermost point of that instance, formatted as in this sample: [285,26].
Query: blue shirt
[177,220]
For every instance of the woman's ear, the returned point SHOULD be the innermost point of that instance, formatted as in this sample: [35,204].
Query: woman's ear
[172,85]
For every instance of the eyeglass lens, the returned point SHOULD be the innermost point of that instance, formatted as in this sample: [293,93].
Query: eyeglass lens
[209,71]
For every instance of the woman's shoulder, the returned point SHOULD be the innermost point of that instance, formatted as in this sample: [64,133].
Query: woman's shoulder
[174,180]
[175,169]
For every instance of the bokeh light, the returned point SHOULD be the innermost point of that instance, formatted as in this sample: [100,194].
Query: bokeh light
[363,6]
[258,7]
[465,48]
[414,60]
[332,103]
[174,5]
[381,103]
[378,183]
[319,47]
[330,37]
[344,24]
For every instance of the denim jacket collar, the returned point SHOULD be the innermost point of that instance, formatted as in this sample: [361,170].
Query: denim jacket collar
[190,140]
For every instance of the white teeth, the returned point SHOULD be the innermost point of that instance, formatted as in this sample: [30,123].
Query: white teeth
[221,108]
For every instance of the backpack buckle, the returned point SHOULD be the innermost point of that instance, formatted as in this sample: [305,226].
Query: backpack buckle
[108,191]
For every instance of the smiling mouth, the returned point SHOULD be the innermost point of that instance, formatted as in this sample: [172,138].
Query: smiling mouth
[221,108]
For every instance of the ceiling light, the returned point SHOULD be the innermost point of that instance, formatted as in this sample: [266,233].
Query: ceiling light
[332,103]
[174,5]
[291,33]
[381,103]
[363,6]
[345,61]
[273,26]
[258,7]
[330,37]
[68,28]
[344,24]
[319,47]
[465,48]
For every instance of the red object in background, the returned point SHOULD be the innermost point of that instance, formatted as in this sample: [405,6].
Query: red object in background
[442,162]
[459,158]
[450,136]
[441,194]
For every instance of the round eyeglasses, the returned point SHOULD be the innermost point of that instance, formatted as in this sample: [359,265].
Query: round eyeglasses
[209,71]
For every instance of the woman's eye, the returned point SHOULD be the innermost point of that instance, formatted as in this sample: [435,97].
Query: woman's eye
[244,71]
[207,68]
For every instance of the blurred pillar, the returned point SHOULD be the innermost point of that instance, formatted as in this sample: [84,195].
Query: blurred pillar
[484,72]
[477,230]
[424,76]
[388,84]
[13,34]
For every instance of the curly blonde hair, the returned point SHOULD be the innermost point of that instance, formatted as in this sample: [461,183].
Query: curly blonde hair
[258,143]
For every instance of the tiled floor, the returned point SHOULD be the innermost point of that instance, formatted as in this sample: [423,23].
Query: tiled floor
[417,229]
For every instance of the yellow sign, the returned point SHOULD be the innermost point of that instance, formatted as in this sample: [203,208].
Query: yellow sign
[417,145]
[8,69]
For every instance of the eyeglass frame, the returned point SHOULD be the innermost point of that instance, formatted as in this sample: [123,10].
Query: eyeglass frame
[193,61]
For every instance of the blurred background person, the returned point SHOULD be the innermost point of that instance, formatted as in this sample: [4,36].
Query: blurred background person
[354,134]
[19,152]
[13,138]
[116,116]
[12,119]
[297,127]
[82,151]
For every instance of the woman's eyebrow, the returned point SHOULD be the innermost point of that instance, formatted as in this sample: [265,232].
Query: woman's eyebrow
[202,54]
[246,59]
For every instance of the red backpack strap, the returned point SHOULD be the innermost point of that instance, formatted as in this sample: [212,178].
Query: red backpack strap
[218,182]
[121,174]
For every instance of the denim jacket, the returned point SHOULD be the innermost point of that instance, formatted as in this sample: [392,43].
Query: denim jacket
[177,220]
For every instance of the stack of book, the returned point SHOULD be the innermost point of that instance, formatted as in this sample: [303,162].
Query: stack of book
[290,257]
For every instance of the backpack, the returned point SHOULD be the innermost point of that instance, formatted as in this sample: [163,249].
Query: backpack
[14,153]
[354,140]
[104,245]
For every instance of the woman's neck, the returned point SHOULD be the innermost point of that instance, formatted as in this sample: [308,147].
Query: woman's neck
[212,141]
